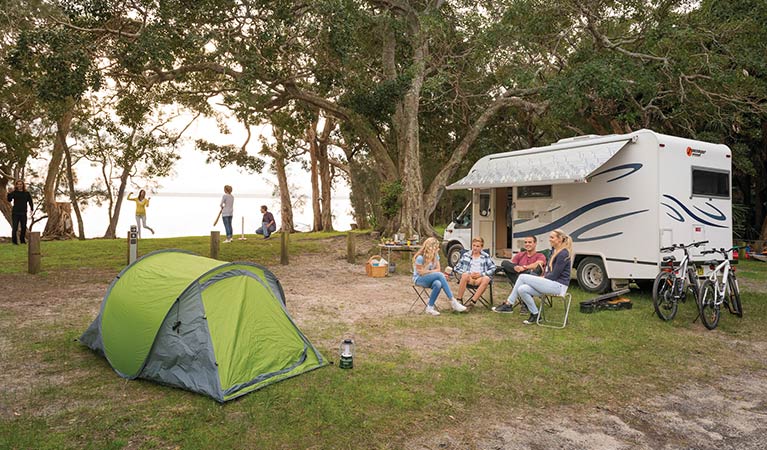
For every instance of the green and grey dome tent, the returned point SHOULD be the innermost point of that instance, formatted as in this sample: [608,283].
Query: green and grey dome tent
[220,329]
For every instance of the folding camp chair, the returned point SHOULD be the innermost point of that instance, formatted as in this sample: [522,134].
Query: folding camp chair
[567,299]
[422,294]
[486,299]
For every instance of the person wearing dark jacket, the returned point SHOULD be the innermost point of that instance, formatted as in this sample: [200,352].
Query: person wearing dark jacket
[555,280]
[20,197]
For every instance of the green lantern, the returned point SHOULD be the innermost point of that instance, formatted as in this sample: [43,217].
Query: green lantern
[347,354]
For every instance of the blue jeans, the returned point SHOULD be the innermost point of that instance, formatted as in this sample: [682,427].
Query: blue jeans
[529,286]
[266,231]
[228,226]
[436,281]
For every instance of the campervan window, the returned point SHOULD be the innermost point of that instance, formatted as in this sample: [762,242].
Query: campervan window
[534,191]
[710,183]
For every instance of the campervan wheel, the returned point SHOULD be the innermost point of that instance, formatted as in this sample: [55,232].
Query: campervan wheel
[592,276]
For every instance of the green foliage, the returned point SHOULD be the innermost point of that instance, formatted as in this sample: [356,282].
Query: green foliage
[230,154]
[391,198]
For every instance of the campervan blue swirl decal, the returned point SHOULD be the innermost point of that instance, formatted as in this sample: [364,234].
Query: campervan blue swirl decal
[719,217]
[633,167]
[690,213]
[576,235]
[678,218]
[569,217]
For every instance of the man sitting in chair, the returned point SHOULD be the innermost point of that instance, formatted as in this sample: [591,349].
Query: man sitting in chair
[529,261]
[476,268]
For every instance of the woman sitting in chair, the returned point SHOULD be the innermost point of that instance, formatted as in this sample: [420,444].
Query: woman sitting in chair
[475,268]
[555,280]
[426,273]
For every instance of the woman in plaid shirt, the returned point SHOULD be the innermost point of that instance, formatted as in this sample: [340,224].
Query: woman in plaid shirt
[476,268]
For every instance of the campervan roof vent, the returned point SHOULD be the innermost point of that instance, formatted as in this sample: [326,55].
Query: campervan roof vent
[578,138]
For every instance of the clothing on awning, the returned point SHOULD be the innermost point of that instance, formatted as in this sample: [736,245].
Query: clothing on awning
[534,168]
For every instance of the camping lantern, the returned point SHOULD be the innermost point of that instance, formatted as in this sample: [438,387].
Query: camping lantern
[347,354]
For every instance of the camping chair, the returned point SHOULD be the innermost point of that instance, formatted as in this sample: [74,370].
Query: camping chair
[486,299]
[422,293]
[567,299]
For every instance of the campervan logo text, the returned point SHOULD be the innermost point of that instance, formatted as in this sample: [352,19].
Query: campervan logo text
[695,152]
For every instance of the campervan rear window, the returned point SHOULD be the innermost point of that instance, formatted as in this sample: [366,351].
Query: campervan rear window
[709,183]
[534,191]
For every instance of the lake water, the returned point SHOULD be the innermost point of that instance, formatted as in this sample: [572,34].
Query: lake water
[172,215]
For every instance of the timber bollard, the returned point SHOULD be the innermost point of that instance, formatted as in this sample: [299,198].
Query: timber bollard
[284,248]
[215,242]
[34,252]
[350,248]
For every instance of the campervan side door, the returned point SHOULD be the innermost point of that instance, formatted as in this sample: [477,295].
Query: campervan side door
[483,221]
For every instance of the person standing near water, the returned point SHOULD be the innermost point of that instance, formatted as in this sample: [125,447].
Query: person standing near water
[227,212]
[142,203]
[20,197]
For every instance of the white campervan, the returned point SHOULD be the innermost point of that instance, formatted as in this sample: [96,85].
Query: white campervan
[620,197]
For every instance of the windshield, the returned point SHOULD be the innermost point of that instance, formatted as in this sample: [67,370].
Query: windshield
[464,219]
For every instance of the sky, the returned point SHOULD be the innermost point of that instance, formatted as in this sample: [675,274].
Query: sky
[193,176]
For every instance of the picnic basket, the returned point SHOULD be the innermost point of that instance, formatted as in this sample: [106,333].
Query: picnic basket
[378,271]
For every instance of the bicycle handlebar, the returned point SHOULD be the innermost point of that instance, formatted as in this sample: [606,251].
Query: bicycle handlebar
[722,250]
[682,246]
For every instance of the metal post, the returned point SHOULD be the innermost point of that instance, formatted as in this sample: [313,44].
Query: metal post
[33,250]
[132,244]
[242,236]
[215,238]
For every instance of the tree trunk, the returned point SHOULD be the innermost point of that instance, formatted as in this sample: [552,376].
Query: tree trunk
[73,193]
[63,229]
[114,217]
[311,137]
[279,164]
[54,224]
[325,178]
[5,205]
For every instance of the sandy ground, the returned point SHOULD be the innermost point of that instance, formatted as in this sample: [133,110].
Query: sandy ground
[724,414]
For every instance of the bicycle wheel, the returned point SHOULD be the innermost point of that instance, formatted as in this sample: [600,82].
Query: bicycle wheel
[663,296]
[709,311]
[734,296]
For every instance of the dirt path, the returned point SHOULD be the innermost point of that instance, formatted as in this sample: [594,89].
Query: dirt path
[325,289]
[728,415]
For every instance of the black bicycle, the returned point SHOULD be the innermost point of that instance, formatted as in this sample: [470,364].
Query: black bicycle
[674,281]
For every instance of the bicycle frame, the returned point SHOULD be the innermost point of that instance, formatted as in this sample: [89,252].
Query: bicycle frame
[720,287]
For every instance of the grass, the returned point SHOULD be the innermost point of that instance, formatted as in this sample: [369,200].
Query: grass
[479,364]
[112,253]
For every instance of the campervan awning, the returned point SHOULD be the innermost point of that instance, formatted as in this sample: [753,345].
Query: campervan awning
[556,164]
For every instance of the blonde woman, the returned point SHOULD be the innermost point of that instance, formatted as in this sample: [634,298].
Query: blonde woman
[427,273]
[227,212]
[555,280]
[142,203]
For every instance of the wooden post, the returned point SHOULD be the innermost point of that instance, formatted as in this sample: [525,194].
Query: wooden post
[215,242]
[34,252]
[350,248]
[284,248]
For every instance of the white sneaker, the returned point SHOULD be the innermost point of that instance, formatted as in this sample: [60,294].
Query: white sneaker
[431,311]
[226,241]
[457,306]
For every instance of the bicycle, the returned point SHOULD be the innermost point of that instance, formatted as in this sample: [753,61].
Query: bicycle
[673,282]
[719,290]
